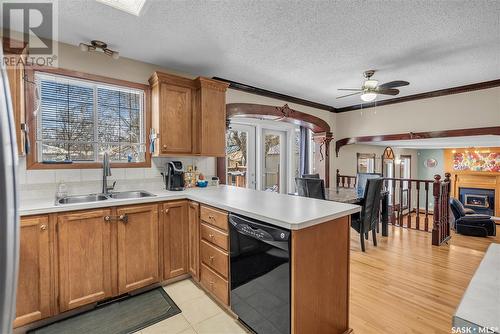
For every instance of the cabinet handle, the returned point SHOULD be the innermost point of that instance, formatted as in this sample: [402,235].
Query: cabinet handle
[107,218]
[124,218]
[211,259]
[164,146]
[43,227]
[211,217]
[211,236]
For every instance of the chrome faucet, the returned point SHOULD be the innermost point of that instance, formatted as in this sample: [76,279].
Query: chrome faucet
[106,171]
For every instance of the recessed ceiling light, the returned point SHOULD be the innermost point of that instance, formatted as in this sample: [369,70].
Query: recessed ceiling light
[130,6]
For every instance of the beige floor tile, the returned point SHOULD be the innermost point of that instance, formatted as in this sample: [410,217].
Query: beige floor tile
[183,291]
[172,325]
[219,324]
[199,309]
[190,330]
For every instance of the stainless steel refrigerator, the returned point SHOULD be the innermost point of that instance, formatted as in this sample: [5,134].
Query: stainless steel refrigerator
[9,215]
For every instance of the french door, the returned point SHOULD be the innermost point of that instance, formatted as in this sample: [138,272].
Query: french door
[273,160]
[240,156]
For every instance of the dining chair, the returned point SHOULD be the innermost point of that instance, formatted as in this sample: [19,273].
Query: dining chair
[367,219]
[310,176]
[308,187]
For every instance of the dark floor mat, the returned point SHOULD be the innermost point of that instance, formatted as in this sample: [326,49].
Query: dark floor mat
[120,317]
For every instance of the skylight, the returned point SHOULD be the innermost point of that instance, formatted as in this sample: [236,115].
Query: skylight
[130,6]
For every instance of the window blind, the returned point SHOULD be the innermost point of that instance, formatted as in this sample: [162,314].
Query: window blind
[79,120]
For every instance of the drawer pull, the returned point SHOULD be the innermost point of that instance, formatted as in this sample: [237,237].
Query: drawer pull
[211,236]
[43,227]
[211,259]
[124,218]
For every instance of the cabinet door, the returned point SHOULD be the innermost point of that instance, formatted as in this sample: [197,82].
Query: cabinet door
[137,246]
[16,85]
[175,119]
[175,239]
[84,258]
[213,122]
[194,239]
[33,286]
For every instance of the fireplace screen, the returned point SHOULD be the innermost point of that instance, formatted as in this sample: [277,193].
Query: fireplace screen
[479,201]
[482,201]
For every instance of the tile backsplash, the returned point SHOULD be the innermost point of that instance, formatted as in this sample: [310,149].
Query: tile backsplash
[32,182]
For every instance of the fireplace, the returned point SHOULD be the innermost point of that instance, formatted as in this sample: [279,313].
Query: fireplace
[480,200]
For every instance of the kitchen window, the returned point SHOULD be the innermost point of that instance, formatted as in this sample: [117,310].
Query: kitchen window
[78,120]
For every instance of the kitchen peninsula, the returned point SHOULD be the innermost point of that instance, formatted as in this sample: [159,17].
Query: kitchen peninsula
[123,245]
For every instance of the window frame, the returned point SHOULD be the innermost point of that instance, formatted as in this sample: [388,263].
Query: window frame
[32,161]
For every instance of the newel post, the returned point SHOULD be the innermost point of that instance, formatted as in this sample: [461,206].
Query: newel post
[321,155]
[436,225]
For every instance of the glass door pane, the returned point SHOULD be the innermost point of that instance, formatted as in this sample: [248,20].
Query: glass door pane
[240,156]
[273,161]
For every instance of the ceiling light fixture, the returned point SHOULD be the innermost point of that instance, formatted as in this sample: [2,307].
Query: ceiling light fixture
[133,7]
[368,96]
[99,46]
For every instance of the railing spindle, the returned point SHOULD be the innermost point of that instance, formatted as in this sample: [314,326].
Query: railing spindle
[417,218]
[409,204]
[400,213]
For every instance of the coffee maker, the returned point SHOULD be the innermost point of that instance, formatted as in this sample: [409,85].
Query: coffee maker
[175,176]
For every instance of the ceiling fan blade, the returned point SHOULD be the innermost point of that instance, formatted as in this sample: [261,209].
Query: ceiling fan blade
[349,95]
[394,84]
[387,91]
[351,89]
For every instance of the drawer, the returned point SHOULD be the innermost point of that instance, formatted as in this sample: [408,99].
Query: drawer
[214,217]
[215,284]
[214,236]
[214,258]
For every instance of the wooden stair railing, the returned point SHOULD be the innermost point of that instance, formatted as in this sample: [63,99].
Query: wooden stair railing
[345,181]
[402,212]
[441,222]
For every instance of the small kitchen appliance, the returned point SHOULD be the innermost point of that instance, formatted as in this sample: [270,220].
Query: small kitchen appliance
[175,176]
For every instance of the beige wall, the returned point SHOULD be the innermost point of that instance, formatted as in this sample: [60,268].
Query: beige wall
[479,108]
[346,162]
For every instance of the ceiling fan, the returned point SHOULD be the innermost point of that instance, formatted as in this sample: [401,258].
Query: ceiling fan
[370,88]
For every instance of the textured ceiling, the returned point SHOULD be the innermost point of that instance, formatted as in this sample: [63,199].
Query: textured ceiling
[306,49]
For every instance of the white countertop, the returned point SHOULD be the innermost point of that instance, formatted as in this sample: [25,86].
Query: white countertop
[288,211]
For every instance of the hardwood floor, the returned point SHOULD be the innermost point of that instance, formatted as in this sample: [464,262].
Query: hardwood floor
[405,285]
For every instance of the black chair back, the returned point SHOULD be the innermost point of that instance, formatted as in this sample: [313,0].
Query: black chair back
[307,187]
[457,208]
[371,204]
[310,176]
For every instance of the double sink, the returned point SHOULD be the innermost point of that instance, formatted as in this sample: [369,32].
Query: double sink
[102,197]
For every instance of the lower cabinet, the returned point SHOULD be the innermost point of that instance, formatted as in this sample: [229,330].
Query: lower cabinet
[194,240]
[83,242]
[33,287]
[214,255]
[175,238]
[79,258]
[138,234]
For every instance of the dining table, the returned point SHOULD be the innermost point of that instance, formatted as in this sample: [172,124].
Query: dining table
[351,196]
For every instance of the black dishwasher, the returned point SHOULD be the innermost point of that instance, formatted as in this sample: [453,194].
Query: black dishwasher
[260,274]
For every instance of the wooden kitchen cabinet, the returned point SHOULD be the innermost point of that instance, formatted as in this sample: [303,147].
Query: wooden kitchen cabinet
[34,281]
[189,116]
[194,244]
[175,238]
[15,74]
[83,242]
[210,125]
[137,235]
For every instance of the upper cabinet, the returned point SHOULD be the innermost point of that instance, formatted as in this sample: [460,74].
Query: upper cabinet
[15,58]
[189,116]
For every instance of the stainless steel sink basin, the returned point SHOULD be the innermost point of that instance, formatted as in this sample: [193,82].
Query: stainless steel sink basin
[82,199]
[130,194]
